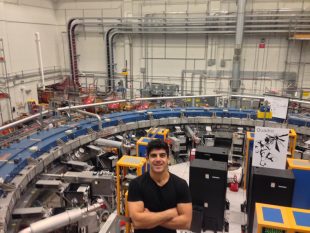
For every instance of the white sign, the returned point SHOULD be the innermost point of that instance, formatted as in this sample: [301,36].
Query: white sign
[270,147]
[278,106]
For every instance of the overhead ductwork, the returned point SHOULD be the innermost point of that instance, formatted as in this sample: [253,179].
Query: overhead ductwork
[235,82]
[251,23]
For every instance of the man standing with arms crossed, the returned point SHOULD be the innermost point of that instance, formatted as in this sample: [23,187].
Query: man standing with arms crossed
[158,201]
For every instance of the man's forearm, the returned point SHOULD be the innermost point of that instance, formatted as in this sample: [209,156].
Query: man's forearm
[147,220]
[179,222]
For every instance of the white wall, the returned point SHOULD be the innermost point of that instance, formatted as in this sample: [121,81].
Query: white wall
[19,21]
[164,57]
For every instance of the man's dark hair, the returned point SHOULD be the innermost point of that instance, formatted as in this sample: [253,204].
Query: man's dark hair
[157,144]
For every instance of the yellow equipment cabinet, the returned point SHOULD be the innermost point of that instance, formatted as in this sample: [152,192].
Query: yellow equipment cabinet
[271,219]
[299,220]
[279,219]
[123,177]
[160,133]
[250,144]
[141,146]
[262,115]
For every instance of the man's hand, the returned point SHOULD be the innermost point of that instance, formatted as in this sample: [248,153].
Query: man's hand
[143,218]
[183,219]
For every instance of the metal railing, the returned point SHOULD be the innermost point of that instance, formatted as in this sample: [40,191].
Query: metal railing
[85,106]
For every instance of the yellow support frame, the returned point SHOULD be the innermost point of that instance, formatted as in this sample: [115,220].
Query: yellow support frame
[302,164]
[249,138]
[158,131]
[122,166]
[292,141]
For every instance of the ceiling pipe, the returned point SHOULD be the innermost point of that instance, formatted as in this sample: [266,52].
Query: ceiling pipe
[235,82]
[72,49]
[131,67]
[139,24]
[108,61]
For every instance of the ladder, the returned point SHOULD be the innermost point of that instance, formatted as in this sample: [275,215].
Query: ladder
[4,85]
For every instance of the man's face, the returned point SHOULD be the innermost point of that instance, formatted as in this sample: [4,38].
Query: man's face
[158,160]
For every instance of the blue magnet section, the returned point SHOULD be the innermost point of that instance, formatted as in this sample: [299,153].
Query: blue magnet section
[146,140]
[14,158]
[272,215]
[302,219]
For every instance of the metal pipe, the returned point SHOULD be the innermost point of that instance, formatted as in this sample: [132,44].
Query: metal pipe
[60,220]
[192,83]
[205,24]
[142,21]
[92,115]
[192,134]
[72,46]
[182,82]
[109,51]
[131,68]
[90,105]
[40,60]
[137,99]
[175,97]
[235,82]
[108,143]
[249,96]
[200,72]
[200,83]
[139,24]
[139,31]
[299,65]
[23,120]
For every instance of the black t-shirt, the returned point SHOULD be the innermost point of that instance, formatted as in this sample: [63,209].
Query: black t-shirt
[157,198]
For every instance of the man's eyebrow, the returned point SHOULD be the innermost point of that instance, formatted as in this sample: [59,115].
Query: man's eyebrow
[163,153]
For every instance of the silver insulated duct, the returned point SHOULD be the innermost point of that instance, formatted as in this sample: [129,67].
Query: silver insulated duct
[60,220]
[235,82]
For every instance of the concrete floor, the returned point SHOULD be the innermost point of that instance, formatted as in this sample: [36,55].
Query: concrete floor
[234,216]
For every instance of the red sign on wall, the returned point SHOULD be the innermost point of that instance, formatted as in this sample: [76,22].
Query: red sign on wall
[262,45]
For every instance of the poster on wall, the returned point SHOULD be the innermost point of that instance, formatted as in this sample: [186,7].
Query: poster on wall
[270,147]
[278,106]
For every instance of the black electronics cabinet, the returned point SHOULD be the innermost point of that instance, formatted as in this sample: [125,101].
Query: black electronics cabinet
[212,153]
[269,186]
[207,183]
